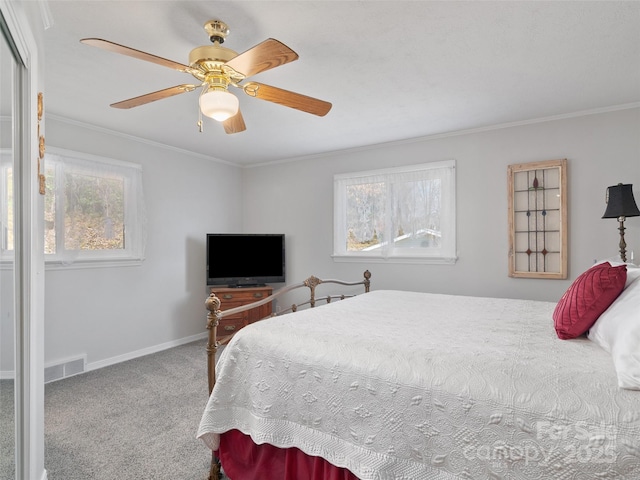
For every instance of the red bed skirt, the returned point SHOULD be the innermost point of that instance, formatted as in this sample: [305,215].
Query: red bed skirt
[242,459]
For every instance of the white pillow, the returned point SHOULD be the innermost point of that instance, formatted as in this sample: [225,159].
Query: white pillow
[617,330]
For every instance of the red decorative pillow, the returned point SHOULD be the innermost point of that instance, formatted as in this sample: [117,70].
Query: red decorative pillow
[585,300]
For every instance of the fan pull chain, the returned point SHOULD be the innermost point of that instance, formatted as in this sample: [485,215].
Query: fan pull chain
[200,129]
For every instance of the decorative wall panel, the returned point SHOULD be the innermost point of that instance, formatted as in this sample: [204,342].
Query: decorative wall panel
[538,219]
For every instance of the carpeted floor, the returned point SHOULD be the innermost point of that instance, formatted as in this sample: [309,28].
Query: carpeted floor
[134,420]
[7,429]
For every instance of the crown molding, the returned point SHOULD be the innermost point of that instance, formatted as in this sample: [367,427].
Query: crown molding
[456,133]
[133,138]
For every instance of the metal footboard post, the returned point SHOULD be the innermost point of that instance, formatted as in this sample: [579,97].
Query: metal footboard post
[367,281]
[213,305]
[312,282]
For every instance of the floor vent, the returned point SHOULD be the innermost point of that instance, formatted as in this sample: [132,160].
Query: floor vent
[63,370]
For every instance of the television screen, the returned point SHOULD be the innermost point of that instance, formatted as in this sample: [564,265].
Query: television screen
[239,260]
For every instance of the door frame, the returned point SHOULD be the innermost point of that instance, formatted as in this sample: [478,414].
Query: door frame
[29,253]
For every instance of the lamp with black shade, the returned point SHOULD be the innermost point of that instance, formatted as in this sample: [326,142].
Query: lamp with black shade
[621,204]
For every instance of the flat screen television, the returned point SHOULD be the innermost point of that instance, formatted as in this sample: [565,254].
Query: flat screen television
[245,259]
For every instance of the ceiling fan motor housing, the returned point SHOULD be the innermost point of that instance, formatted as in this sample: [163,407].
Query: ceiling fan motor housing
[211,59]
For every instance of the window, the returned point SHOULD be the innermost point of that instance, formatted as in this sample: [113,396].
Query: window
[397,214]
[94,210]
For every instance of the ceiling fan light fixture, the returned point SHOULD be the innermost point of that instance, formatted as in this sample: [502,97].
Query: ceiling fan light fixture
[219,104]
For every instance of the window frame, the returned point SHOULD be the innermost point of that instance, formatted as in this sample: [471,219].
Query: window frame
[446,254]
[134,215]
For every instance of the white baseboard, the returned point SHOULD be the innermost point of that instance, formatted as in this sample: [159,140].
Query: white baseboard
[144,351]
[10,374]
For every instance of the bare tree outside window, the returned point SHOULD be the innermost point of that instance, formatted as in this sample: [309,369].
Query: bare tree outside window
[94,212]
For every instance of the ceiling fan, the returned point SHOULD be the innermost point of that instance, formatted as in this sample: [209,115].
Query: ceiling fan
[216,68]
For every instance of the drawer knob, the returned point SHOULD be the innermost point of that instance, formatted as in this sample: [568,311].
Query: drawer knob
[229,328]
[257,295]
[227,296]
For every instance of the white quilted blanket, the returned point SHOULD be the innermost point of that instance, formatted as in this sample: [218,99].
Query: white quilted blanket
[404,385]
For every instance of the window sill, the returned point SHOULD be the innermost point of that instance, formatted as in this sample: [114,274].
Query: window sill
[80,264]
[394,259]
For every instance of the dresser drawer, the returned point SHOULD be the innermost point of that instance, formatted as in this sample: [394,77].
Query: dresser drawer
[230,325]
[242,297]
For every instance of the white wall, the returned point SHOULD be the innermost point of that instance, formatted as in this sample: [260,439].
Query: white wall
[113,313]
[602,149]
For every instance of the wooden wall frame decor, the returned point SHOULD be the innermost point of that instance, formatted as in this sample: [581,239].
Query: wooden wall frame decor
[538,219]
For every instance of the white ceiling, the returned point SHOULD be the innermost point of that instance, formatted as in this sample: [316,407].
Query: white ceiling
[393,70]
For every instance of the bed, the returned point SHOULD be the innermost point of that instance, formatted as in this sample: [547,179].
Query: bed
[406,385]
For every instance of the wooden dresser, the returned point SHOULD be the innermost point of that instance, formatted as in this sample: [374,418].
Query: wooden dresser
[236,297]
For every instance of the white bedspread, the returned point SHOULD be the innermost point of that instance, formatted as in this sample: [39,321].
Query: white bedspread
[403,385]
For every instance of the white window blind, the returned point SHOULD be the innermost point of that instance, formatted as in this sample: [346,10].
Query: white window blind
[398,214]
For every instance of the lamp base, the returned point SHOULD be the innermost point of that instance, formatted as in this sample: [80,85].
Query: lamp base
[623,244]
